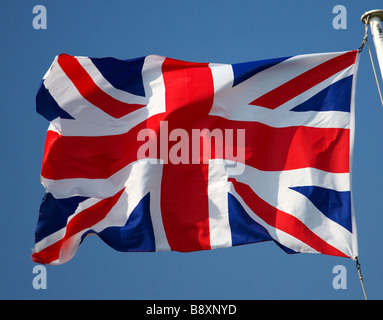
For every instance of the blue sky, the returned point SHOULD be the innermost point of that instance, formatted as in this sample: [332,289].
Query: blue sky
[219,31]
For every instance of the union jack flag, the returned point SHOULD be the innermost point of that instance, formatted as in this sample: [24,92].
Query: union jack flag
[272,160]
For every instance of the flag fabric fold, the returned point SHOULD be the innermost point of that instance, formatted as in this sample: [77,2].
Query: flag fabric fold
[157,154]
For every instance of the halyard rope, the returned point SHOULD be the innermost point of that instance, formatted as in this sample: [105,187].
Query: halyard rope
[365,40]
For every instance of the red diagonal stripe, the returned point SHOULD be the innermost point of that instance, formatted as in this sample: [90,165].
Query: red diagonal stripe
[283,221]
[305,81]
[83,220]
[90,91]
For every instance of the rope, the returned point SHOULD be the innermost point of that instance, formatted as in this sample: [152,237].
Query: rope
[376,78]
[365,40]
[365,35]
[360,276]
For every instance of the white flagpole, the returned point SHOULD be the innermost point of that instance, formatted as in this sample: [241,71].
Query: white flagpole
[374,18]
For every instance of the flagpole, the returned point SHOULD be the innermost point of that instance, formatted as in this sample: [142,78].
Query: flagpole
[374,18]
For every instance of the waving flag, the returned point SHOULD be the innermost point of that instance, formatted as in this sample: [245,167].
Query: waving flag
[156,154]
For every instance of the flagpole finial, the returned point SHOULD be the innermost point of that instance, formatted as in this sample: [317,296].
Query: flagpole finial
[370,14]
[374,19]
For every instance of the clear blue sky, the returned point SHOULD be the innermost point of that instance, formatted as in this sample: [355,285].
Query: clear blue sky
[222,31]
